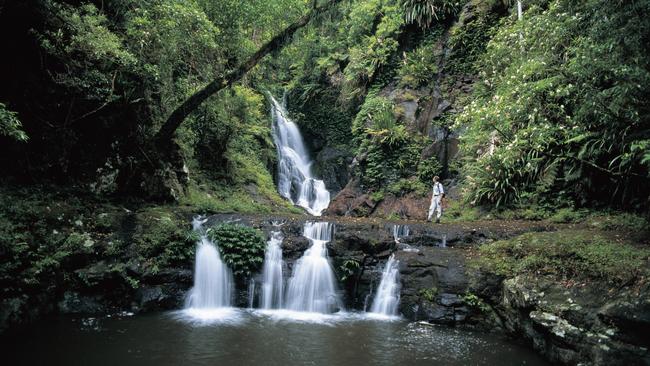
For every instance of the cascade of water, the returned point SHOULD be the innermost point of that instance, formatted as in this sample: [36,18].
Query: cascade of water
[400,231]
[387,297]
[295,180]
[272,285]
[312,287]
[251,293]
[213,282]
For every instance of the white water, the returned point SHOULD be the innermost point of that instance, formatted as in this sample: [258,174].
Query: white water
[251,293]
[400,231]
[312,287]
[387,297]
[273,283]
[213,282]
[295,179]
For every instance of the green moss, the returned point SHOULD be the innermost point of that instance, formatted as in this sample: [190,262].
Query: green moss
[428,294]
[568,215]
[162,238]
[212,199]
[377,195]
[576,254]
[456,210]
[619,221]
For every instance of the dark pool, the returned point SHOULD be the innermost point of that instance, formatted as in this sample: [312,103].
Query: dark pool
[241,337]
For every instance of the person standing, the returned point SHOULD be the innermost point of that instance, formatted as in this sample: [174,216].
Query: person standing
[436,199]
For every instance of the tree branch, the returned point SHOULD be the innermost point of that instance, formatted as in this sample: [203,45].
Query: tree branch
[176,118]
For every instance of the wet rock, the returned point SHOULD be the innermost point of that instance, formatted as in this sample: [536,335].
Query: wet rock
[571,325]
[162,297]
[331,165]
[76,303]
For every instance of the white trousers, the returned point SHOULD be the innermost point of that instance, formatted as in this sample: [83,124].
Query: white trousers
[435,206]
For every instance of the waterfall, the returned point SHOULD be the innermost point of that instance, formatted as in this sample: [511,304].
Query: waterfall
[272,285]
[387,297]
[213,282]
[295,180]
[312,287]
[251,293]
[399,232]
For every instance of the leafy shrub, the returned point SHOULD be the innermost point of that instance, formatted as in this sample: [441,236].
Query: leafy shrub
[429,168]
[475,302]
[549,119]
[241,247]
[420,66]
[424,12]
[375,113]
[407,185]
[349,268]
[162,239]
[428,294]
[10,124]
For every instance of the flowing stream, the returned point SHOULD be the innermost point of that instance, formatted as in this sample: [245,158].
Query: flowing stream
[295,179]
[213,281]
[273,282]
[312,288]
[387,298]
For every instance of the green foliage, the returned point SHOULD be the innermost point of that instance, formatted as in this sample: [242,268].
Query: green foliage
[425,12]
[162,239]
[408,185]
[420,65]
[475,302]
[428,168]
[349,268]
[469,38]
[568,215]
[390,151]
[457,210]
[367,57]
[619,221]
[375,113]
[377,196]
[428,294]
[565,254]
[559,109]
[80,37]
[241,247]
[10,125]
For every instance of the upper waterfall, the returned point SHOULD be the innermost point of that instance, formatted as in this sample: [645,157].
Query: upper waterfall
[295,179]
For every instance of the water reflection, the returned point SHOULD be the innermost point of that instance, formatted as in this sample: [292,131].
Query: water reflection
[256,338]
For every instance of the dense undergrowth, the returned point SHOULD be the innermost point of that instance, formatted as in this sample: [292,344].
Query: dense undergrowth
[50,241]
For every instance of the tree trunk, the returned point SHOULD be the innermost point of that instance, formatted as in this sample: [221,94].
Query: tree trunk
[166,132]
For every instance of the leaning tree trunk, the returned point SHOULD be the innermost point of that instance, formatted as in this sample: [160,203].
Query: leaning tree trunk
[160,172]
[166,132]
